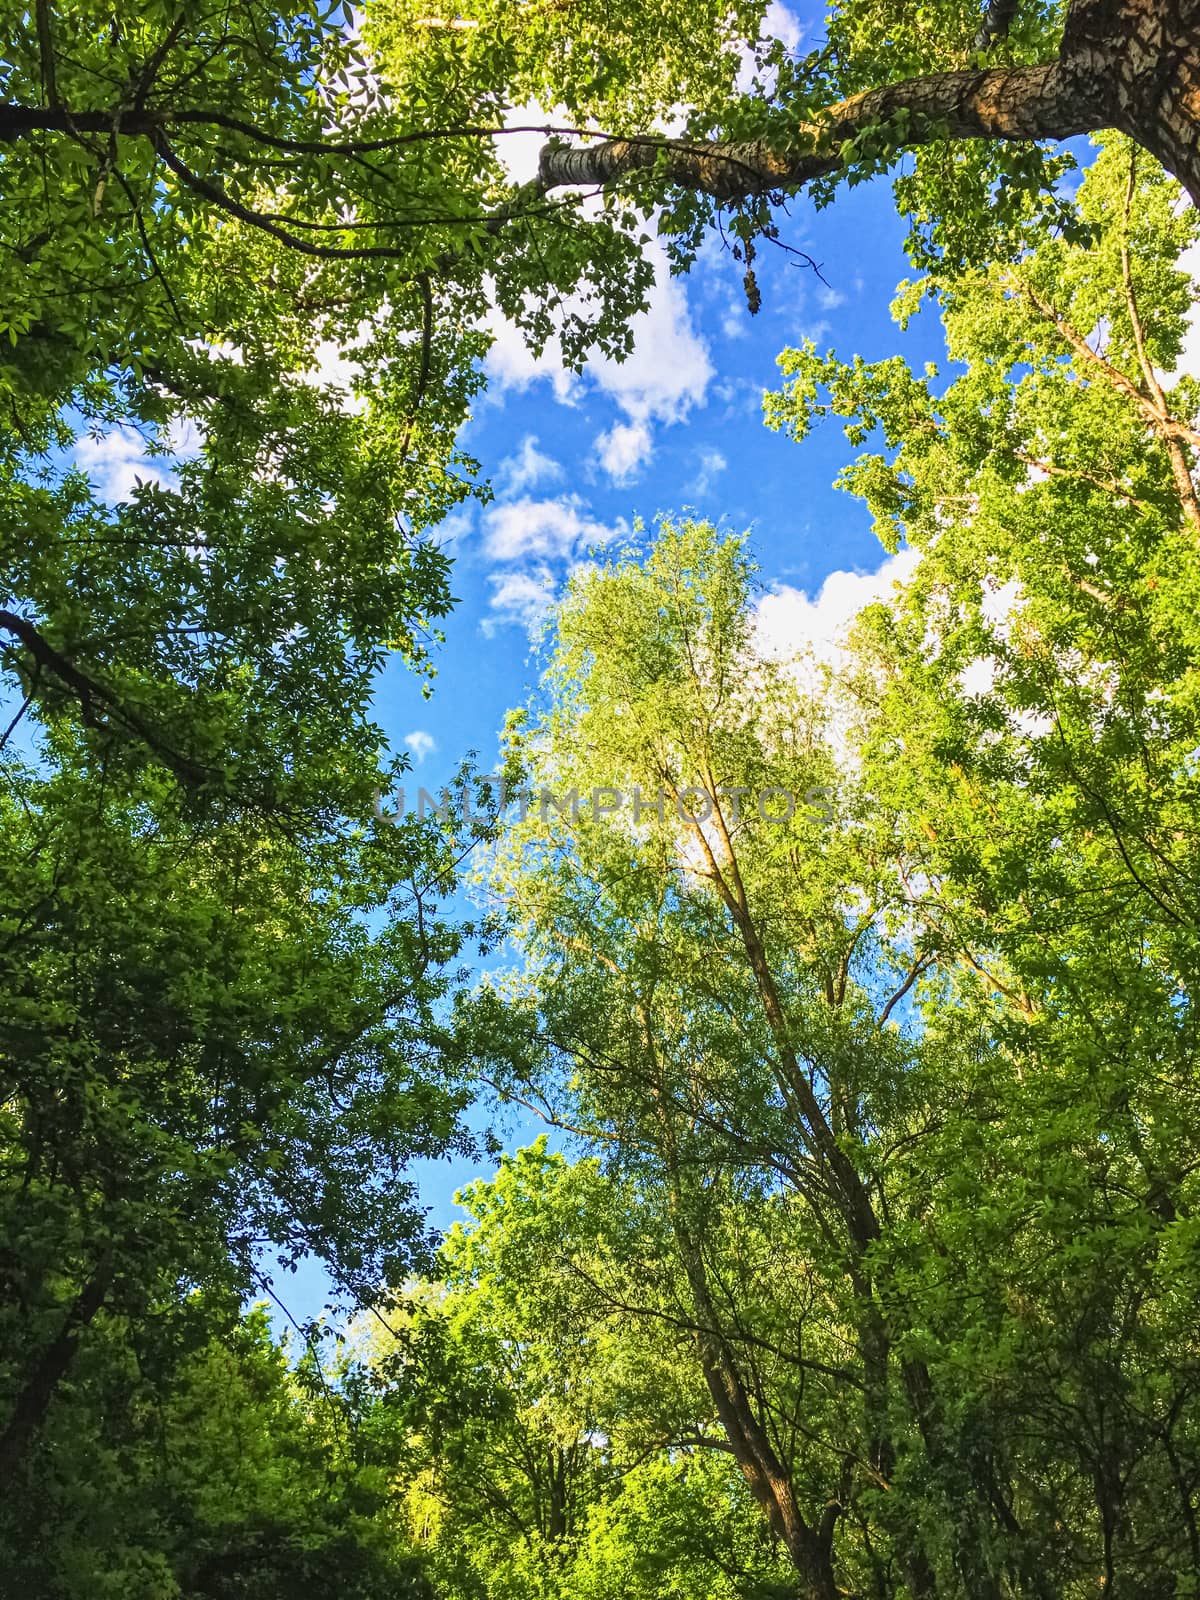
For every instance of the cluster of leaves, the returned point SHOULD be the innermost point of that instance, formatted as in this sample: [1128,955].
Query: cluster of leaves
[231,1469]
[544,1452]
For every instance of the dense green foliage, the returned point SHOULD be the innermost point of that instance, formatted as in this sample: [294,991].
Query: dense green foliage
[238,1477]
[220,975]
[872,1267]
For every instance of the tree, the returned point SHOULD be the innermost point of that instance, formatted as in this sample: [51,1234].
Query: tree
[549,1448]
[743,1092]
[933,1062]
[213,1068]
[1050,696]
[1129,67]
[219,970]
[250,1471]
[974,93]
[287,545]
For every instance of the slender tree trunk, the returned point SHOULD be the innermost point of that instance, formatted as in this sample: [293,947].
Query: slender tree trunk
[809,1547]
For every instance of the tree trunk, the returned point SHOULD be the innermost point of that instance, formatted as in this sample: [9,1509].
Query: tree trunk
[809,1545]
[810,1548]
[1132,65]
[1142,61]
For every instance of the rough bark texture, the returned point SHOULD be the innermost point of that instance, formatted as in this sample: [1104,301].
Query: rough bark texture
[1133,65]
[1142,60]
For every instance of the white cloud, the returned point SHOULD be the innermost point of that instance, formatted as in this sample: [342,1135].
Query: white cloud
[420,743]
[817,331]
[808,634]
[666,374]
[556,529]
[737,393]
[185,437]
[625,448]
[789,621]
[733,323]
[549,536]
[780,23]
[777,23]
[519,152]
[116,461]
[669,370]
[528,468]
[511,364]
[519,597]
[712,463]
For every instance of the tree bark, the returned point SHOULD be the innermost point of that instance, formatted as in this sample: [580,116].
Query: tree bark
[1132,65]
[809,1547]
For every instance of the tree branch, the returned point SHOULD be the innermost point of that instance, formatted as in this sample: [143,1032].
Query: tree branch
[426,358]
[921,965]
[1031,102]
[255,219]
[1180,467]
[45,31]
[1165,425]
[995,24]
[17,121]
[51,1367]
[90,694]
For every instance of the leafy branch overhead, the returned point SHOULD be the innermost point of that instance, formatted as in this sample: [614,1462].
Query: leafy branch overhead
[1133,67]
[380,150]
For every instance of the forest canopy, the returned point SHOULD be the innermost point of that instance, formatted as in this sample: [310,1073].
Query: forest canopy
[860,1255]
